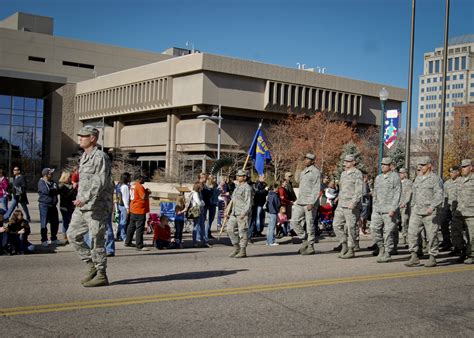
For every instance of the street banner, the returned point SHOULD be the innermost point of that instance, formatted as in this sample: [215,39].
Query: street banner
[391,127]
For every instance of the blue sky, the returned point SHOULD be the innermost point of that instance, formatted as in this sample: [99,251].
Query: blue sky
[361,39]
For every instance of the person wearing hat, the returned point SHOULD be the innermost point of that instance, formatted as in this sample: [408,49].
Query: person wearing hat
[302,211]
[449,188]
[237,226]
[427,199]
[47,200]
[93,208]
[463,219]
[386,198]
[348,209]
[405,198]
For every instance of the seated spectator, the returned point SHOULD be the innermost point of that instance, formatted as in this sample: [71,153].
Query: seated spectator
[162,233]
[17,230]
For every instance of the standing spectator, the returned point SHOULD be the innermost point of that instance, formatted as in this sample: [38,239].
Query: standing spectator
[19,194]
[310,183]
[179,211]
[348,209]
[237,227]
[139,207]
[122,191]
[427,198]
[93,208]
[205,197]
[290,193]
[3,190]
[67,194]
[259,199]
[224,197]
[48,199]
[284,198]
[196,202]
[273,209]
[213,201]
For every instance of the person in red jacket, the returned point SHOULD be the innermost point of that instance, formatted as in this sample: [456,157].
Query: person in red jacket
[162,233]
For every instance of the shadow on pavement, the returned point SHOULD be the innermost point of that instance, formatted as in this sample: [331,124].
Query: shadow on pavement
[178,276]
[156,253]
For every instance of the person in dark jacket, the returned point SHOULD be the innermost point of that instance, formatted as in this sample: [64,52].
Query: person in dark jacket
[68,194]
[48,199]
[273,207]
[18,195]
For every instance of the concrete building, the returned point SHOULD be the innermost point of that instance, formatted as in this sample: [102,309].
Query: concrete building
[149,102]
[459,85]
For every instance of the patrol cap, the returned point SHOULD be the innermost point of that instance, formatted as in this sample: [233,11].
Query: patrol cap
[288,174]
[466,163]
[349,158]
[241,173]
[423,160]
[310,156]
[402,171]
[454,168]
[88,130]
[386,160]
[47,171]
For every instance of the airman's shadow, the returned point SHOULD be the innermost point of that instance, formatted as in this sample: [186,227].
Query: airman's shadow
[178,276]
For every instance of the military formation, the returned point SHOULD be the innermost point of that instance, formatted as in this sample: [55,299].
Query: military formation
[422,208]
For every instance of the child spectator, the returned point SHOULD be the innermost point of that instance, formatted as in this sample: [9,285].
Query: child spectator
[273,204]
[17,230]
[180,210]
[162,233]
[282,222]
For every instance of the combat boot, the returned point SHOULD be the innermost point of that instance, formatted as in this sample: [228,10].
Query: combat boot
[99,280]
[242,253]
[90,274]
[414,260]
[349,254]
[469,260]
[386,258]
[403,241]
[343,250]
[302,249]
[236,251]
[309,250]
[381,253]
[431,262]
[462,257]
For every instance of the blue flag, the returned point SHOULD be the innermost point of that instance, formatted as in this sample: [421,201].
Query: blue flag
[259,152]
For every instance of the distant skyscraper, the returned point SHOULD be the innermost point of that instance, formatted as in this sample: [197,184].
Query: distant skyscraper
[459,85]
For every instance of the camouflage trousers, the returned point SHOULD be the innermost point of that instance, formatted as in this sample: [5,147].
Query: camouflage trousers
[461,226]
[404,218]
[345,225]
[383,229]
[94,223]
[299,215]
[237,229]
[429,223]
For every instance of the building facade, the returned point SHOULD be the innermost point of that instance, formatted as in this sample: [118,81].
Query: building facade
[459,85]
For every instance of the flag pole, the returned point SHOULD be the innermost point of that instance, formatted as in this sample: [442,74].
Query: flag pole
[248,155]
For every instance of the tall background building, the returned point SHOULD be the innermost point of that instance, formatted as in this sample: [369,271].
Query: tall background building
[459,86]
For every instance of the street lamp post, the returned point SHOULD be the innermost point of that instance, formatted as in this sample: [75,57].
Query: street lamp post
[383,95]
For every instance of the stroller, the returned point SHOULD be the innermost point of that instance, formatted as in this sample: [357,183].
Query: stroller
[326,210]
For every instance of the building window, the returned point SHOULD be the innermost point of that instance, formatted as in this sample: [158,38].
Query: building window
[423,89]
[450,64]
[437,66]
[455,77]
[428,80]
[472,94]
[463,62]
[421,116]
[421,124]
[448,78]
[435,79]
[430,67]
[461,76]
[456,63]
[77,64]
[36,59]
[423,81]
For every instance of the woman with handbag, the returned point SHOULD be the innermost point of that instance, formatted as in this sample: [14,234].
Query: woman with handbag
[196,205]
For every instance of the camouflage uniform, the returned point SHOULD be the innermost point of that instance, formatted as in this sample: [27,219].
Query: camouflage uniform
[345,218]
[242,206]
[427,193]
[405,198]
[387,189]
[447,210]
[464,213]
[310,185]
[96,191]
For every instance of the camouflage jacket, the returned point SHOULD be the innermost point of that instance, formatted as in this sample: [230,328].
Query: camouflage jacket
[387,190]
[450,187]
[465,195]
[242,200]
[350,188]
[427,193]
[407,189]
[310,185]
[96,185]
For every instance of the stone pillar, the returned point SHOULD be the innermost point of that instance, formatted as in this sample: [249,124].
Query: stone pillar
[172,165]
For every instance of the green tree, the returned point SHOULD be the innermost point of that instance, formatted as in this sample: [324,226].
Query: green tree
[397,153]
[350,149]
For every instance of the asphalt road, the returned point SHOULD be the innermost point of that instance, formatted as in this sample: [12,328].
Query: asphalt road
[202,292]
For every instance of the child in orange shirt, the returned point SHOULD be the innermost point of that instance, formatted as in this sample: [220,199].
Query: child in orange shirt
[162,233]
